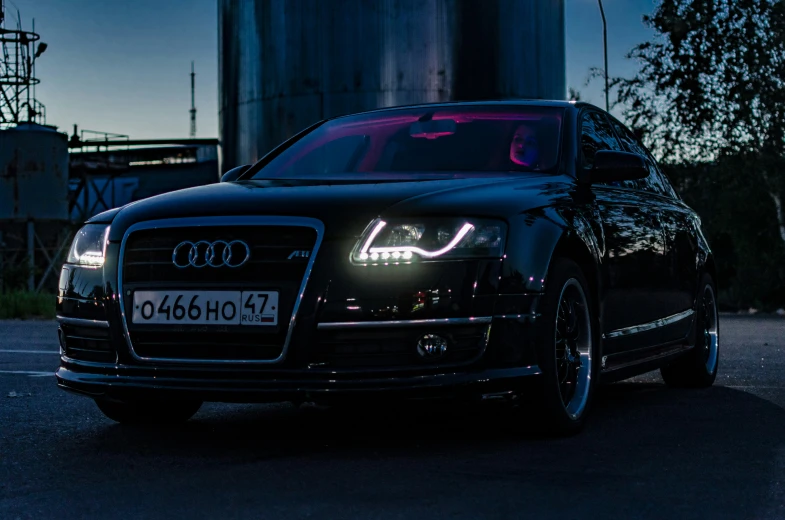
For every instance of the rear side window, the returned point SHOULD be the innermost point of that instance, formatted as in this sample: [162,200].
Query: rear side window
[596,135]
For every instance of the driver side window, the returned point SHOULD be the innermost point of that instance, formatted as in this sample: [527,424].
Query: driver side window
[596,135]
[656,182]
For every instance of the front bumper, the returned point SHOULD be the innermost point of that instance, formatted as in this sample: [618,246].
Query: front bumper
[508,358]
[123,383]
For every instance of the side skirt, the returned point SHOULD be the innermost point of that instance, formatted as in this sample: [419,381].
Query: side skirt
[630,364]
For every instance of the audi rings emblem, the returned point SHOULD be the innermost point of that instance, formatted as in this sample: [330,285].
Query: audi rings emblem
[214,254]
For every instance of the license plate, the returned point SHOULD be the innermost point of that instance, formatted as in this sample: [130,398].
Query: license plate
[257,308]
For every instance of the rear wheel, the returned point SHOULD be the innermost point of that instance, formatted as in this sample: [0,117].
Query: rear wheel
[567,351]
[698,368]
[149,412]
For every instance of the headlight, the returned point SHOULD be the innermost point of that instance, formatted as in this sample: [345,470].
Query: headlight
[89,245]
[432,239]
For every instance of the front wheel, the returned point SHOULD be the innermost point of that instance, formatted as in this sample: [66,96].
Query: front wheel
[567,351]
[149,412]
[698,368]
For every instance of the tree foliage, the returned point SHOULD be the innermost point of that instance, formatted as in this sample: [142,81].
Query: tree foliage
[709,99]
[712,81]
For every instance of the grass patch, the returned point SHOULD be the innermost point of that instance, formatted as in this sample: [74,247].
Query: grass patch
[26,305]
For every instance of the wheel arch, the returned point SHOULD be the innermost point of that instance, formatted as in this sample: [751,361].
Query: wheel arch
[573,248]
[710,267]
[549,234]
[582,245]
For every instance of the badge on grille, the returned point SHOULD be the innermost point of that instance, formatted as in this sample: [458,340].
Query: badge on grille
[299,254]
[214,254]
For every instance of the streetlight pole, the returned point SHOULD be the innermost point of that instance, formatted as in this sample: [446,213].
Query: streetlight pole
[605,51]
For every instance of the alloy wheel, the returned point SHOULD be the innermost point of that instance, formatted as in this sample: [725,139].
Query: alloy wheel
[710,333]
[573,340]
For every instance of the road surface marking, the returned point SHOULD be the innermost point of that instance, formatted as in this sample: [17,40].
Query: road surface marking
[31,373]
[755,386]
[29,351]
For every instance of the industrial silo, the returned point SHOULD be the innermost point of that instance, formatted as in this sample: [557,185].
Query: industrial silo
[285,64]
[34,225]
[33,173]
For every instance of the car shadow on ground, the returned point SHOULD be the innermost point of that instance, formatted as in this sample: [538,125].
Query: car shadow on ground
[669,453]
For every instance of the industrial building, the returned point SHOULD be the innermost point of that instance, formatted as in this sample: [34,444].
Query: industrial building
[285,65]
[111,170]
[50,183]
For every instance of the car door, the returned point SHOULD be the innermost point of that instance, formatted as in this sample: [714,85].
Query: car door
[633,260]
[676,288]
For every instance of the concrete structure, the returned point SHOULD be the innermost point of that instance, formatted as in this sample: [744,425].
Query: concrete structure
[33,173]
[285,64]
[34,227]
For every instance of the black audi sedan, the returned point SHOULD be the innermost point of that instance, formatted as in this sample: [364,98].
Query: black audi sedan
[519,250]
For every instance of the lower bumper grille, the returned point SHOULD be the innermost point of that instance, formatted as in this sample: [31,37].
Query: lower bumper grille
[390,348]
[280,255]
[87,344]
[206,345]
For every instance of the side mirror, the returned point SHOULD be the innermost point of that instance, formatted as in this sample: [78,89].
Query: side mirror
[234,173]
[610,166]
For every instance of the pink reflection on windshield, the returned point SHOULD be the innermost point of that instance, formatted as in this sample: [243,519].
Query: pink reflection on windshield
[381,145]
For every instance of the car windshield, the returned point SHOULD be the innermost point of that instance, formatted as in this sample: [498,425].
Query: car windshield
[425,140]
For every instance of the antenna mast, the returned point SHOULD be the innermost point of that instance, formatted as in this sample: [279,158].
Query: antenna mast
[193,103]
[19,51]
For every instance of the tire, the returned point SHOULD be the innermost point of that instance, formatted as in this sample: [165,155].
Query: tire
[567,348]
[149,412]
[698,368]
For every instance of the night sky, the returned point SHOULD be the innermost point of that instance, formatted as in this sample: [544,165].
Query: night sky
[122,65]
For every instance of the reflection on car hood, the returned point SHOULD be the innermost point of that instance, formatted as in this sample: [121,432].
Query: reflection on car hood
[347,206]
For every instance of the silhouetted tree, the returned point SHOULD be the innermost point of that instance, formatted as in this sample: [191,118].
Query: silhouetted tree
[711,84]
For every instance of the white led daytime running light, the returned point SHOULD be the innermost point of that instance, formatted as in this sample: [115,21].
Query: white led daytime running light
[382,251]
[373,234]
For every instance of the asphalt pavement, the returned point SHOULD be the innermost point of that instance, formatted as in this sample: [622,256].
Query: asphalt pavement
[647,452]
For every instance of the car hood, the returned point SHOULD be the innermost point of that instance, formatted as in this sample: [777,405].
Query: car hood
[346,207]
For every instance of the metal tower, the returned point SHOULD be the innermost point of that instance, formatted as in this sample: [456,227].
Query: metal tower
[19,51]
[193,104]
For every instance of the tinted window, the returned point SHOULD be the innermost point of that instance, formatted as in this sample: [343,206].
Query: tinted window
[443,139]
[630,142]
[656,182]
[596,135]
[339,155]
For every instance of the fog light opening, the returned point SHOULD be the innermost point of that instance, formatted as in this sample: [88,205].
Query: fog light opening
[432,346]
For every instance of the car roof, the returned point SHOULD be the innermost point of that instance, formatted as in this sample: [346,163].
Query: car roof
[499,102]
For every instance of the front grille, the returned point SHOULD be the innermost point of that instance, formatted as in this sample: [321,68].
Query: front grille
[147,264]
[390,348]
[148,255]
[87,344]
